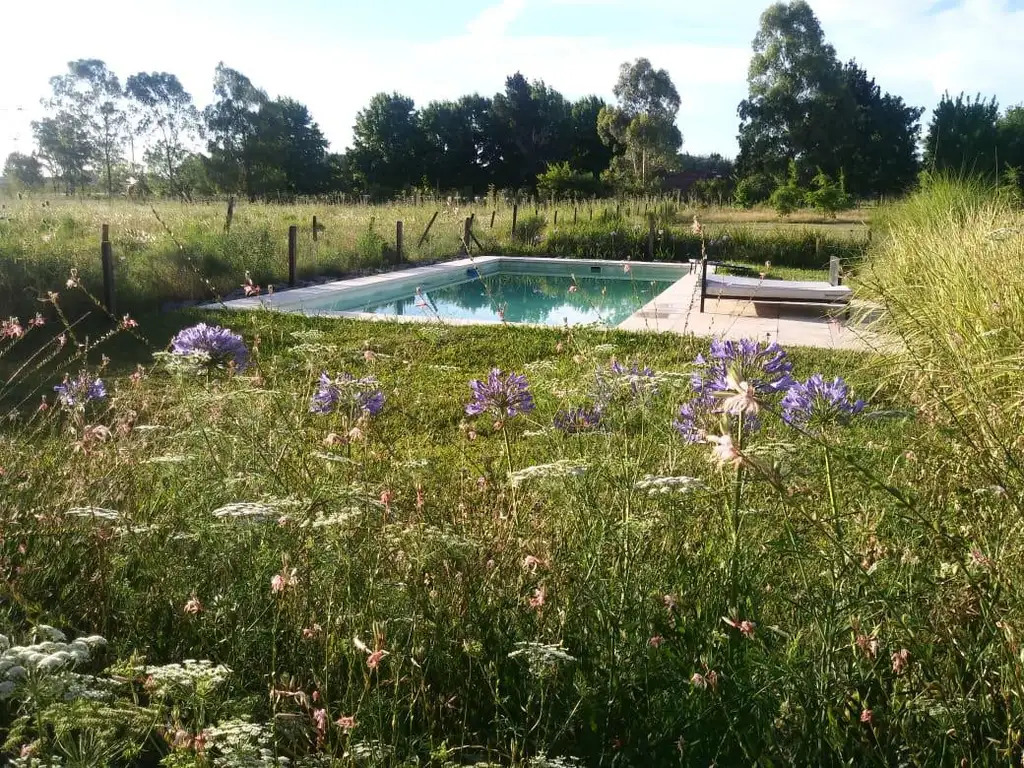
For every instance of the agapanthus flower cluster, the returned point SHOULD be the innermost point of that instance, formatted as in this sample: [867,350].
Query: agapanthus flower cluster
[819,402]
[77,392]
[764,367]
[501,395]
[356,397]
[211,346]
[625,384]
[730,383]
[583,418]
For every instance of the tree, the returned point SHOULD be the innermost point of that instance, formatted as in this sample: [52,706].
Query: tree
[287,152]
[796,104]
[65,149]
[25,169]
[963,136]
[454,132]
[90,94]
[879,157]
[167,115]
[231,122]
[530,126]
[588,151]
[388,146]
[788,196]
[1010,134]
[641,129]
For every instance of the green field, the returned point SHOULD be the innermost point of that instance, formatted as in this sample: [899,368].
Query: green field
[424,586]
[168,253]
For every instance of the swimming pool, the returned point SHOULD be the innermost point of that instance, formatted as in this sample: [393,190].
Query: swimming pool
[489,289]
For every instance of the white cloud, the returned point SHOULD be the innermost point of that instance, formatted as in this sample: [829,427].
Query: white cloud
[910,51]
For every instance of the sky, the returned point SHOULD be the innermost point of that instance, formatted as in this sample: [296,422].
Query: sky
[334,55]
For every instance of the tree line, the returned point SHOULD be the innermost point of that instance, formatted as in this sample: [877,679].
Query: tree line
[811,128]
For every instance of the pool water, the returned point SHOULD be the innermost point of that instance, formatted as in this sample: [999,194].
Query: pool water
[540,299]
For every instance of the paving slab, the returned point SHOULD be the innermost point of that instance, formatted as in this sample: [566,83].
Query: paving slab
[677,310]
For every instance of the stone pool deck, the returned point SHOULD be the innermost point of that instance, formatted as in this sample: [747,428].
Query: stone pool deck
[677,310]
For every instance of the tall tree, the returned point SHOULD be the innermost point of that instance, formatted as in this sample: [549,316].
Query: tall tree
[963,137]
[796,102]
[231,122]
[642,128]
[25,169]
[166,115]
[530,126]
[589,153]
[388,145]
[1010,131]
[90,94]
[879,155]
[455,132]
[288,151]
[65,148]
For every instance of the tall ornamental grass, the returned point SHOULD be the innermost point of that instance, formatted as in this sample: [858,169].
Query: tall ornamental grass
[949,269]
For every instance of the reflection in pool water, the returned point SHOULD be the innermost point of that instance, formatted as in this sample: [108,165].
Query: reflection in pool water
[545,300]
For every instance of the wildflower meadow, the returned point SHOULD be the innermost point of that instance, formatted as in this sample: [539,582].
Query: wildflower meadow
[251,539]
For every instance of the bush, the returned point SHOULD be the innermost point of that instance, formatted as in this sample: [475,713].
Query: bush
[529,228]
[788,197]
[753,190]
[560,181]
[827,196]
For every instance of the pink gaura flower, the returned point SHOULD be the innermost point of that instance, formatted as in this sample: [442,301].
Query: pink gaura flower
[11,328]
[284,581]
[656,641]
[374,659]
[539,596]
[869,645]
[900,659]
[128,322]
[311,633]
[386,497]
[745,627]
[193,606]
[369,355]
[346,722]
[867,716]
[531,563]
[573,289]
[37,322]
[724,452]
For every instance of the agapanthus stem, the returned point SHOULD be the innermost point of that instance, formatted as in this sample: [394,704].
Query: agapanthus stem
[737,499]
[508,462]
[832,496]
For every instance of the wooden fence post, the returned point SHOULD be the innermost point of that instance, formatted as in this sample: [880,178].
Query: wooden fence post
[316,232]
[398,240]
[515,216]
[493,214]
[556,217]
[426,231]
[107,256]
[231,213]
[833,271]
[575,211]
[466,226]
[650,236]
[293,247]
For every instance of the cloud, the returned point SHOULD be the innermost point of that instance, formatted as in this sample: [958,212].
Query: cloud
[494,21]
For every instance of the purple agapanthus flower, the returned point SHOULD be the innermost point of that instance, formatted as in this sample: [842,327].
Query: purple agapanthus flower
[346,391]
[211,345]
[819,401]
[628,383]
[581,419]
[502,395]
[764,367]
[703,415]
[77,392]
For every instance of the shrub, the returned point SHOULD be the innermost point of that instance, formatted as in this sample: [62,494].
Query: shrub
[753,190]
[561,181]
[529,229]
[827,196]
[788,197]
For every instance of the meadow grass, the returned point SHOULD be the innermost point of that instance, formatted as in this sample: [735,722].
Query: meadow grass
[251,573]
[171,253]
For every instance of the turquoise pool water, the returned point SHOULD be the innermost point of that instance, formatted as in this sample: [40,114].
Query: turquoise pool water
[518,298]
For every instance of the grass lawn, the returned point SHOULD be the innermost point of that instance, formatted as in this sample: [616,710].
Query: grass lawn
[618,597]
